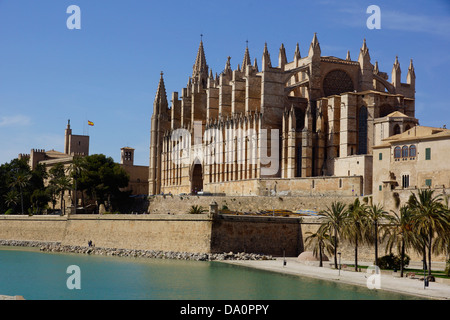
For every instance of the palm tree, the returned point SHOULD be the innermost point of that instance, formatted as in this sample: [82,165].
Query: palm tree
[355,226]
[11,198]
[20,181]
[401,233]
[320,241]
[76,169]
[376,215]
[196,210]
[333,220]
[59,181]
[441,244]
[429,217]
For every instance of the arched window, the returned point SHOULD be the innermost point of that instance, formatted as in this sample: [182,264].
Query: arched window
[396,129]
[362,131]
[397,152]
[412,151]
[404,151]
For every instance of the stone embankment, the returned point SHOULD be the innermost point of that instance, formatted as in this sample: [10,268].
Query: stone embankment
[156,254]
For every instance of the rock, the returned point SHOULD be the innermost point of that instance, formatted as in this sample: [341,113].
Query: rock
[57,247]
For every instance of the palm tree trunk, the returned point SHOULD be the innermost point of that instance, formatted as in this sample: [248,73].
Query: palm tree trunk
[402,257]
[21,198]
[356,253]
[424,254]
[320,256]
[376,244]
[335,248]
[430,238]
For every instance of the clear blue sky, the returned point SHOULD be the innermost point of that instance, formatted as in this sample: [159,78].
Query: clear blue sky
[108,71]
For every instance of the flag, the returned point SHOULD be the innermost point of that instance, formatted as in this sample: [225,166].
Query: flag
[90,123]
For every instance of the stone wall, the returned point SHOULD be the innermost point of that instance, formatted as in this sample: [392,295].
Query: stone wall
[275,236]
[180,233]
[41,228]
[180,204]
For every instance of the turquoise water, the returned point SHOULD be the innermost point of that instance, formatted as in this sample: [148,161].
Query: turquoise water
[42,276]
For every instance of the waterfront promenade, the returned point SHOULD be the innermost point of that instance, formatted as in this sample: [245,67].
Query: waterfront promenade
[388,282]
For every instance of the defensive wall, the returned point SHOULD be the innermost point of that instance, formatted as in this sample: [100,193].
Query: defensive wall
[194,233]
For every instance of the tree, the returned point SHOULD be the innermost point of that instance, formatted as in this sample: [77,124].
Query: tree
[59,182]
[76,169]
[333,218]
[12,199]
[355,226]
[17,176]
[21,181]
[401,234]
[39,200]
[102,179]
[430,218]
[320,242]
[376,215]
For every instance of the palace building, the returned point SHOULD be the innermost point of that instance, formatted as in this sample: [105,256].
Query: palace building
[306,126]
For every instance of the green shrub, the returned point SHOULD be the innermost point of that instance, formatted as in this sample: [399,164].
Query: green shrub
[197,210]
[392,262]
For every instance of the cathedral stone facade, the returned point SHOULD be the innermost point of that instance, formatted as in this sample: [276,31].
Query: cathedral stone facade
[302,127]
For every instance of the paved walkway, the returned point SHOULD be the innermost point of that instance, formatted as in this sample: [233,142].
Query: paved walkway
[388,282]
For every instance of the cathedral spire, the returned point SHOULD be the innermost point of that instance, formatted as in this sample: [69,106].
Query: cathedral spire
[348,56]
[297,53]
[266,63]
[364,51]
[160,104]
[396,73]
[366,67]
[246,61]
[411,76]
[282,60]
[200,67]
[314,48]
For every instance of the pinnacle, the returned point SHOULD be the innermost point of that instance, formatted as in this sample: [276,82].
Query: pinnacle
[314,48]
[161,97]
[200,65]
[297,52]
[246,61]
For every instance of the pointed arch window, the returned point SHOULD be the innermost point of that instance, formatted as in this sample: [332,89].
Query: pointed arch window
[362,131]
